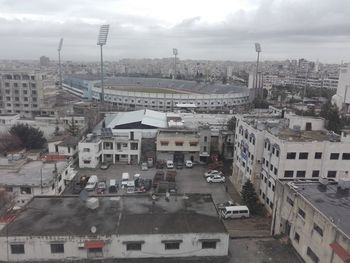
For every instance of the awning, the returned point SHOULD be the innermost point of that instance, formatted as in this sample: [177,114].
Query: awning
[94,244]
[209,240]
[134,242]
[172,241]
[340,251]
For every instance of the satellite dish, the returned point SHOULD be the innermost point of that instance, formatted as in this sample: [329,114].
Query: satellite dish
[84,195]
[93,229]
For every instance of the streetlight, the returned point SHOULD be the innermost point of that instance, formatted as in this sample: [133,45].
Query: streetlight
[258,50]
[59,60]
[101,40]
[175,52]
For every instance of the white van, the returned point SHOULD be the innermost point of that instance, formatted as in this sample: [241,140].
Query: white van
[130,187]
[113,186]
[169,164]
[125,179]
[239,211]
[91,184]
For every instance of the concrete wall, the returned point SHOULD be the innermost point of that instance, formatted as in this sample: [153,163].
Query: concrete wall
[39,247]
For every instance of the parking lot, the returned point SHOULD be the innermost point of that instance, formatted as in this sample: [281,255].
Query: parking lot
[188,180]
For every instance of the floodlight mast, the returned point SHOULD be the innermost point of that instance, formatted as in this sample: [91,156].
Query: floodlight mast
[175,52]
[59,60]
[258,50]
[101,41]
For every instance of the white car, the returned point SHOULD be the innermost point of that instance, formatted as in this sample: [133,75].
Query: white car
[212,173]
[169,164]
[216,179]
[188,164]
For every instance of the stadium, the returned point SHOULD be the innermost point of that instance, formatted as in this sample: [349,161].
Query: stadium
[132,93]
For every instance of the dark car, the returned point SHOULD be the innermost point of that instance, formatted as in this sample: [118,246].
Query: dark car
[147,183]
[101,187]
[179,165]
[77,188]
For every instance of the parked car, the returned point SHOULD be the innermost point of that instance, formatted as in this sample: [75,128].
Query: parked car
[179,165]
[147,183]
[169,164]
[160,164]
[158,177]
[150,162]
[144,166]
[91,184]
[216,179]
[212,173]
[105,166]
[113,186]
[225,204]
[101,187]
[189,164]
[235,212]
[77,188]
[125,179]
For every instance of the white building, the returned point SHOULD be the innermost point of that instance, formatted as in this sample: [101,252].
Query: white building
[293,148]
[315,218]
[24,180]
[342,97]
[121,227]
[64,145]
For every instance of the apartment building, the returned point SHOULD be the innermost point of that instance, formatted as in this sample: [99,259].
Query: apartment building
[315,218]
[290,148]
[115,228]
[342,97]
[21,92]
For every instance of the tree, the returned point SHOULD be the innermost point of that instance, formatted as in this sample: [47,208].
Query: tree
[72,128]
[331,114]
[250,198]
[9,142]
[260,103]
[31,138]
[231,124]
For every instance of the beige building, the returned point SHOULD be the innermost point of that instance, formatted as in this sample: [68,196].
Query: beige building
[315,217]
[21,92]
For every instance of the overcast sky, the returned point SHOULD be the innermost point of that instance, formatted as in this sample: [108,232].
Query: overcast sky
[200,29]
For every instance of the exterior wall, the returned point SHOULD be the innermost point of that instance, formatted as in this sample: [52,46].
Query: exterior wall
[317,123]
[39,247]
[89,158]
[286,214]
[167,102]
[22,92]
[62,150]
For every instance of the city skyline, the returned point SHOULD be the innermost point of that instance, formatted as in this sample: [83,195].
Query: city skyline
[200,30]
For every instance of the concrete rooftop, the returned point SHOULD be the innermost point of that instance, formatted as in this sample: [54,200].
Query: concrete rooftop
[122,215]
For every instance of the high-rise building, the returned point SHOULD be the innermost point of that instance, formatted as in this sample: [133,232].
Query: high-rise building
[21,92]
[44,61]
[342,97]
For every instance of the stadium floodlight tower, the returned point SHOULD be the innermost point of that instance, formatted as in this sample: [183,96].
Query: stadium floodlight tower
[258,50]
[101,41]
[175,52]
[59,61]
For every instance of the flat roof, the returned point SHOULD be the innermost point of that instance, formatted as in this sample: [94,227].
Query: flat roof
[31,174]
[121,215]
[334,204]
[306,136]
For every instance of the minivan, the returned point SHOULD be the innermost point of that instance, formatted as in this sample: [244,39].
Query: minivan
[235,212]
[113,186]
[169,164]
[125,179]
[91,184]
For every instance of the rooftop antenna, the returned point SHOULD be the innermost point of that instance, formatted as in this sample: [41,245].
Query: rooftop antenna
[59,60]
[175,52]
[93,229]
[101,41]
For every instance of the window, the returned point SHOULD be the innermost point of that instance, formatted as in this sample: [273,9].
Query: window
[301,173]
[171,245]
[178,143]
[26,190]
[86,161]
[334,156]
[301,213]
[133,246]
[277,153]
[86,150]
[332,174]
[17,248]
[205,138]
[303,155]
[275,171]
[209,244]
[288,173]
[57,248]
[296,237]
[134,146]
[290,201]
[318,230]
[315,173]
[318,155]
[271,167]
[193,144]
[95,252]
[312,255]
[291,155]
[346,156]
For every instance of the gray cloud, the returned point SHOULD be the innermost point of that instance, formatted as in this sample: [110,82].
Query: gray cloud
[286,29]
